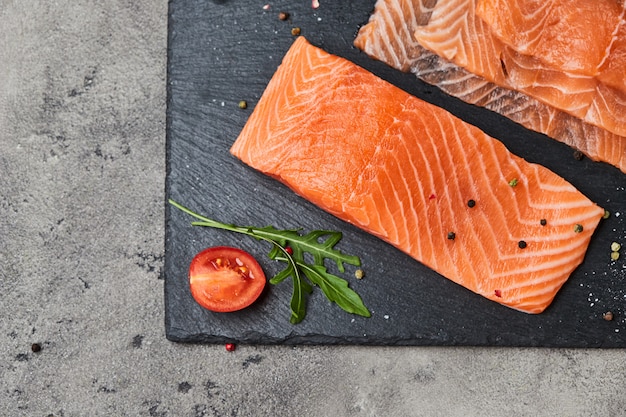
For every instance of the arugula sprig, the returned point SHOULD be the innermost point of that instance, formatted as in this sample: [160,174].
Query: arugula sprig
[319,244]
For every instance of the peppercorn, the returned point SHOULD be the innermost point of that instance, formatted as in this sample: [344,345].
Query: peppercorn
[359,274]
[578,155]
[614,256]
[243,104]
[608,316]
[615,247]
[230,347]
[471,203]
[295,31]
[513,182]
[35,347]
[606,214]
[522,244]
[578,228]
[451,235]
[543,222]
[283,16]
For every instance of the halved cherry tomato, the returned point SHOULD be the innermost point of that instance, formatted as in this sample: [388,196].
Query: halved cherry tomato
[225,279]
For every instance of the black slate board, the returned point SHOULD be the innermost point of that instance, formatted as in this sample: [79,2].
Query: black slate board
[224,51]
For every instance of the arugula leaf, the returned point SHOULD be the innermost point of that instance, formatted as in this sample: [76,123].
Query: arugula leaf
[320,244]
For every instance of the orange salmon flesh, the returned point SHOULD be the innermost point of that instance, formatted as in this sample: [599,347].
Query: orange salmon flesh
[405,171]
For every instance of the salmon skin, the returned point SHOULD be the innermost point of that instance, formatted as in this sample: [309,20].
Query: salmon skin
[451,27]
[419,178]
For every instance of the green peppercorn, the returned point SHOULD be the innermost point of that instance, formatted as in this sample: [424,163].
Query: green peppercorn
[243,104]
[513,182]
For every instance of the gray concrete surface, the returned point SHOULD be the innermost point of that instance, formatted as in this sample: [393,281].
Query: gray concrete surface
[82,171]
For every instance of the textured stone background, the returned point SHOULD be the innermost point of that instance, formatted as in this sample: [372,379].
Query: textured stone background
[82,172]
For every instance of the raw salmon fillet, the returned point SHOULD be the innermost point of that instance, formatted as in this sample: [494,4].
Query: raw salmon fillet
[541,47]
[389,37]
[405,171]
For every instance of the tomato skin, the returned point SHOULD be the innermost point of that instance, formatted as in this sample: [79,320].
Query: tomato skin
[225,279]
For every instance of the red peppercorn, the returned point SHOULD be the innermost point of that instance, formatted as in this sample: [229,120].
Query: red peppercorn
[230,347]
[289,250]
[498,293]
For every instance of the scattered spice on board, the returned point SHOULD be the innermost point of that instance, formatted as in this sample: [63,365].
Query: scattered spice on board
[606,215]
[615,247]
[359,274]
[35,347]
[283,16]
[614,256]
[315,4]
[608,316]
[578,155]
[230,347]
[295,31]
[243,104]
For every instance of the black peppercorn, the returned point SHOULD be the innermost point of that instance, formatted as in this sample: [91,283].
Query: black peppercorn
[451,235]
[578,155]
[543,222]
[471,203]
[522,244]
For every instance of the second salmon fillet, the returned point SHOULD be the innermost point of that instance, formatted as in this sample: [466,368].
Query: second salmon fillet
[419,178]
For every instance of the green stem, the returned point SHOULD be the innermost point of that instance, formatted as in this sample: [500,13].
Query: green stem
[257,234]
